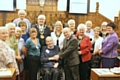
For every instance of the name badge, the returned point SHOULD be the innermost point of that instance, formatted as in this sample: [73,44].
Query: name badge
[47,51]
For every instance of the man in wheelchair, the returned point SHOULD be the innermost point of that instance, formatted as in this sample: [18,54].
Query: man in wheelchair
[50,67]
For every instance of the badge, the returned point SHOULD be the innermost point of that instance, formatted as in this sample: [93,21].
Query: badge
[42,36]
[47,51]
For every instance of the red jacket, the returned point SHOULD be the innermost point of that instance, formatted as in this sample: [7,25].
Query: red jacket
[85,46]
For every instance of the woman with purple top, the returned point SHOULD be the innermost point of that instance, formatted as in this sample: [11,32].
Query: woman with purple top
[109,47]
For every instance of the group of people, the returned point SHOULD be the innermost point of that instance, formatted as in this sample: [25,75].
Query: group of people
[25,47]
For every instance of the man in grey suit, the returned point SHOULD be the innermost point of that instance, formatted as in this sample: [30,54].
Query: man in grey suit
[69,53]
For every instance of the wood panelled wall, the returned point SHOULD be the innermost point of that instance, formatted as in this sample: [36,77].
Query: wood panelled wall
[52,14]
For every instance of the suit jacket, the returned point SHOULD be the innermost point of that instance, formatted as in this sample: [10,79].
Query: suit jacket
[47,32]
[85,46]
[110,45]
[70,51]
[61,38]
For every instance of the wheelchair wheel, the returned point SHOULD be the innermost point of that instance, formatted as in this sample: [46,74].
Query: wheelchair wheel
[62,75]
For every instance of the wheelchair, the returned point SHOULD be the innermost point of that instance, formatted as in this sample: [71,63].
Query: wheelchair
[61,74]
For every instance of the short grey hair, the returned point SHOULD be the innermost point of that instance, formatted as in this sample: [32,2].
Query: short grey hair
[82,26]
[9,25]
[17,28]
[71,21]
[88,22]
[3,29]
[66,28]
[41,16]
[104,23]
[22,11]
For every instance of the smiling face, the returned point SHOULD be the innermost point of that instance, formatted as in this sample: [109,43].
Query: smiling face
[72,26]
[11,30]
[58,26]
[49,42]
[109,29]
[23,27]
[81,31]
[18,33]
[33,33]
[103,27]
[22,15]
[66,32]
[96,32]
[4,34]
[89,25]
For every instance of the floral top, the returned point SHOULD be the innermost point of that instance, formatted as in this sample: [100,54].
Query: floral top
[6,56]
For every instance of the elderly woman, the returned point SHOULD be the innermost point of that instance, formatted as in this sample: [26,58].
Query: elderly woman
[20,43]
[96,46]
[42,30]
[71,24]
[57,35]
[22,14]
[103,30]
[31,50]
[7,56]
[84,47]
[50,66]
[109,47]
[11,41]
[89,32]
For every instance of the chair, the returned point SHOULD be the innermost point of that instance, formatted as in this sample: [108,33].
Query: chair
[61,71]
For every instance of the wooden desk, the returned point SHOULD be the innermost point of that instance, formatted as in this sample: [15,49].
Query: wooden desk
[12,76]
[103,74]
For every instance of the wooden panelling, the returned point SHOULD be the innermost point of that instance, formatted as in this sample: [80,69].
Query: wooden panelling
[52,15]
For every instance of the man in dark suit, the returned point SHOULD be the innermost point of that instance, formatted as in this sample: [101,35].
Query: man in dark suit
[69,53]
[42,29]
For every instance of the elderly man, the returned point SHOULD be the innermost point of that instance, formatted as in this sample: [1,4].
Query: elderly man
[69,53]
[50,66]
[42,29]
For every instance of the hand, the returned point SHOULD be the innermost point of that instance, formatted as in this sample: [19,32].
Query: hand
[96,52]
[55,65]
[16,71]
[51,58]
[79,52]
[100,52]
[56,57]
[19,58]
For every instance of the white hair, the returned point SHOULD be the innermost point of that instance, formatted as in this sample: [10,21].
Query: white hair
[22,11]
[104,23]
[9,25]
[41,16]
[17,28]
[82,26]
[3,29]
[66,29]
[88,22]
[71,21]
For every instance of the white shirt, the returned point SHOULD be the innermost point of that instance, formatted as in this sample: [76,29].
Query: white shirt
[41,28]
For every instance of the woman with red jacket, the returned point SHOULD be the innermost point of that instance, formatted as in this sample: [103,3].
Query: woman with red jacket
[84,47]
